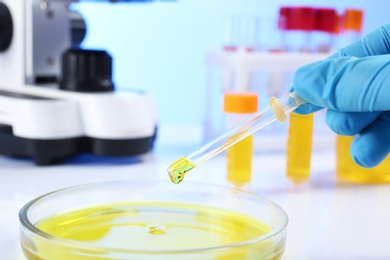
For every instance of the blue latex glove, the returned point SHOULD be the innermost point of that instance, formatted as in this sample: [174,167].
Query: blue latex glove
[354,85]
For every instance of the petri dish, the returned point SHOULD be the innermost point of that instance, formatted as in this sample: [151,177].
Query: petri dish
[152,220]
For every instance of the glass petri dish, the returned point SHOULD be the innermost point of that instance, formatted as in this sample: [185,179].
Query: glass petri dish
[152,220]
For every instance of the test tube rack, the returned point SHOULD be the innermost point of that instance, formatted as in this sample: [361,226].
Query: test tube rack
[275,64]
[237,68]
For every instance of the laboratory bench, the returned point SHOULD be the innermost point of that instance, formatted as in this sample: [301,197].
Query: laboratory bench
[327,219]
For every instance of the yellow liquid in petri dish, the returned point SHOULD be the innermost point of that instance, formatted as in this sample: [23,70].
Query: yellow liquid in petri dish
[300,136]
[153,226]
[239,161]
[348,170]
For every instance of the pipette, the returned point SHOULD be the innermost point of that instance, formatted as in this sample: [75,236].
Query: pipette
[277,109]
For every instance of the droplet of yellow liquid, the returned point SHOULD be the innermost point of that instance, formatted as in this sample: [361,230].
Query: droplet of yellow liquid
[156,230]
[179,169]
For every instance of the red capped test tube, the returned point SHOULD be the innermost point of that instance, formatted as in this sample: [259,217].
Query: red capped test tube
[300,26]
[278,39]
[326,22]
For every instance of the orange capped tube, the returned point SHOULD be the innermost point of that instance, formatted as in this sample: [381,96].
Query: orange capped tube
[238,106]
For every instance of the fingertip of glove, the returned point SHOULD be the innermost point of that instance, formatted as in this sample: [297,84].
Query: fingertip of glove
[364,155]
[361,159]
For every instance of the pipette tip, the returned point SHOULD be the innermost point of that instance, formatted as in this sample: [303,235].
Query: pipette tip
[179,169]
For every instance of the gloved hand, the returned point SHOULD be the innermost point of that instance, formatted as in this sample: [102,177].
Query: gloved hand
[354,85]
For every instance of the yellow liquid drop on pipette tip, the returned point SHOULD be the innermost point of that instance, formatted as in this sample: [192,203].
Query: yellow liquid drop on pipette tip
[179,169]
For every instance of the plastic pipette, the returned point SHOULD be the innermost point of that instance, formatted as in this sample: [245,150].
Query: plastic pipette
[277,109]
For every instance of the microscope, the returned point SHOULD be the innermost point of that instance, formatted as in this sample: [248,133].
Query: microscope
[58,100]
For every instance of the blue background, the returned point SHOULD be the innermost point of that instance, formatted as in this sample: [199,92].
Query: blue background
[160,47]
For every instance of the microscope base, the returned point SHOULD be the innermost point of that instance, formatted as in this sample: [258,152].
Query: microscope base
[54,151]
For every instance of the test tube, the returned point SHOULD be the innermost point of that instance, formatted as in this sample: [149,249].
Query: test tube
[241,33]
[238,106]
[274,32]
[232,33]
[348,170]
[250,33]
[352,26]
[300,136]
[326,19]
[337,32]
[300,27]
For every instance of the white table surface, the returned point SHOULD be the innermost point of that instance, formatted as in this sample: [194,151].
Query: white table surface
[327,220]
